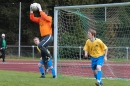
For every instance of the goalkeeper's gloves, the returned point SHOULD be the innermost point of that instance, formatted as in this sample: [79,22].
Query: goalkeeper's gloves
[39,7]
[31,11]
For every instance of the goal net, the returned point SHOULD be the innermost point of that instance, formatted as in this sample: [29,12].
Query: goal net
[112,23]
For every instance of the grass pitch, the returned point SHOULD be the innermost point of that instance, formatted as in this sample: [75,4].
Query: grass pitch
[13,78]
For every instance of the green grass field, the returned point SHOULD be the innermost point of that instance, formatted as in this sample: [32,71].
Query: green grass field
[13,78]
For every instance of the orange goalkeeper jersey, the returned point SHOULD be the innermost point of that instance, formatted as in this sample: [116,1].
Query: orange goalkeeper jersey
[44,22]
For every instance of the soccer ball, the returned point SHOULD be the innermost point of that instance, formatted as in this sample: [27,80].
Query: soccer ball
[34,6]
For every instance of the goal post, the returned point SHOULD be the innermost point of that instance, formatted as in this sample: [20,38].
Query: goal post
[55,39]
[71,23]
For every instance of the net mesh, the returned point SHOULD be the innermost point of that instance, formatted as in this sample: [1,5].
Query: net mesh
[113,27]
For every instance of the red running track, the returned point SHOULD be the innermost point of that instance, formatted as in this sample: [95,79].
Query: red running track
[20,65]
[113,69]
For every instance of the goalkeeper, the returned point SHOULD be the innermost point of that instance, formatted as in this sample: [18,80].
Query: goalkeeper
[98,53]
[48,64]
[45,27]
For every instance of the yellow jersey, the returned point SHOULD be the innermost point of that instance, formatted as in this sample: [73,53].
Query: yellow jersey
[95,48]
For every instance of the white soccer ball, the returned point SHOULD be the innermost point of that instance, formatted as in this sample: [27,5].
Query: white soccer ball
[34,6]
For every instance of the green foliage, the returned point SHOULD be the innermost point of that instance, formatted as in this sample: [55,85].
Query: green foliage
[9,17]
[73,35]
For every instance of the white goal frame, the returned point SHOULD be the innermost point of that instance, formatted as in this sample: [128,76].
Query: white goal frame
[75,7]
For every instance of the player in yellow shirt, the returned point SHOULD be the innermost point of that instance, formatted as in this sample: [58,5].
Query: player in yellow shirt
[98,53]
[44,61]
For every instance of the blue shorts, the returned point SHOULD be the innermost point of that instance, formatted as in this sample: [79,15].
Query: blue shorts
[49,63]
[97,61]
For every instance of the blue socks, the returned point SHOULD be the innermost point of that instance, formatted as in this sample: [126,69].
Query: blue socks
[53,72]
[99,76]
[41,70]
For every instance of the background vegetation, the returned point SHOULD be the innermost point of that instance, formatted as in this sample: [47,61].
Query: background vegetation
[9,17]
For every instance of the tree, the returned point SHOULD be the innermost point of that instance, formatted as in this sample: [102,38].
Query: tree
[9,16]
